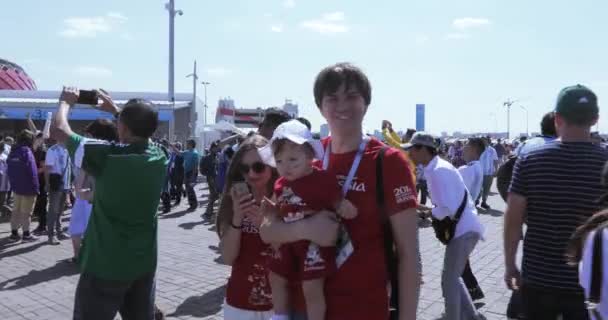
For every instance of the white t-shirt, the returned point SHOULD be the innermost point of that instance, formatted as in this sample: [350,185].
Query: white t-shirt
[57,158]
[447,188]
[472,175]
[487,161]
[585,271]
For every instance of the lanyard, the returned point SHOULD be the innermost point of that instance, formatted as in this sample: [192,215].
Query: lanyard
[353,168]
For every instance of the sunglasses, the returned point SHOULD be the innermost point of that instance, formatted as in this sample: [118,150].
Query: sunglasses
[257,167]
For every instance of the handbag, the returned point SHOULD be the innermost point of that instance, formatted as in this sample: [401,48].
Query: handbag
[446,227]
[389,244]
[595,292]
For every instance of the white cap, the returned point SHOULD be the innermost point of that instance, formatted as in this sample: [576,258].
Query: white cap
[296,132]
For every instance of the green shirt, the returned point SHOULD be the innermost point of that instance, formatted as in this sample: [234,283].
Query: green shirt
[121,238]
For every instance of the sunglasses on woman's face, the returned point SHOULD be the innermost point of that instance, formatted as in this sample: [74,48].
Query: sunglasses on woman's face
[257,167]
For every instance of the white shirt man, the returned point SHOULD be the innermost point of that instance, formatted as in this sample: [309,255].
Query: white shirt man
[58,160]
[489,163]
[447,187]
[472,175]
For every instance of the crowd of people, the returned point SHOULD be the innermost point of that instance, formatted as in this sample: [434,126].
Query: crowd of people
[300,251]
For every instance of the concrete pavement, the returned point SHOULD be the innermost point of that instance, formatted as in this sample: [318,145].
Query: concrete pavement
[37,283]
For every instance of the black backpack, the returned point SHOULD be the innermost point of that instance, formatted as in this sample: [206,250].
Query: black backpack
[389,244]
[207,165]
[504,176]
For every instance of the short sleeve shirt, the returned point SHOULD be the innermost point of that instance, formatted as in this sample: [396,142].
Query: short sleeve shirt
[561,182]
[305,194]
[120,242]
[357,291]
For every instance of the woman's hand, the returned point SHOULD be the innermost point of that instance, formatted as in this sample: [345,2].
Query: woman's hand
[243,205]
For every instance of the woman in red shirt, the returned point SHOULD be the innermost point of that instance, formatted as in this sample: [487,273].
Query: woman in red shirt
[248,181]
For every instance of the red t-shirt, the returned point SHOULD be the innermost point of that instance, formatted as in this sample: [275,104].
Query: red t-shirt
[358,290]
[298,199]
[248,287]
[314,192]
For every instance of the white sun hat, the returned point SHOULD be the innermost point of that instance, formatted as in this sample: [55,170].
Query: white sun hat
[296,132]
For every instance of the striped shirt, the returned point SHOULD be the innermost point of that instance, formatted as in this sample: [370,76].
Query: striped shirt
[561,182]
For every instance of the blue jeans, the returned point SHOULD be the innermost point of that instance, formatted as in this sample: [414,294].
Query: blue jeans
[99,299]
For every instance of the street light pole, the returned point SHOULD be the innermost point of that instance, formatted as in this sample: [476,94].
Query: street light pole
[526,110]
[170,6]
[508,104]
[194,76]
[205,84]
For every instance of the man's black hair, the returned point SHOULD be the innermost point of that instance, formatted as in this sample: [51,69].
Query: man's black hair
[25,138]
[305,122]
[547,125]
[478,144]
[191,143]
[140,117]
[273,117]
[103,129]
[331,78]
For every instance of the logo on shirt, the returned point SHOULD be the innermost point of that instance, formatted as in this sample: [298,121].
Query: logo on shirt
[313,260]
[404,194]
[358,186]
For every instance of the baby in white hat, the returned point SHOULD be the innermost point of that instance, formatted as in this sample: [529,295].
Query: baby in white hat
[301,191]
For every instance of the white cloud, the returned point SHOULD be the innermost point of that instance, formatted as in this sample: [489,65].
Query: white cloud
[117,16]
[93,71]
[90,27]
[330,23]
[289,3]
[457,36]
[334,16]
[466,23]
[218,72]
[277,28]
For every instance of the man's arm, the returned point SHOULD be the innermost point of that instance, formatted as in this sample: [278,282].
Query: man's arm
[514,219]
[60,128]
[320,228]
[405,231]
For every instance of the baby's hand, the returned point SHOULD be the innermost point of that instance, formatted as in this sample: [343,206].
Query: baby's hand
[347,209]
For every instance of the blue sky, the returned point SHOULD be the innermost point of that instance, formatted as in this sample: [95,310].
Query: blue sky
[462,58]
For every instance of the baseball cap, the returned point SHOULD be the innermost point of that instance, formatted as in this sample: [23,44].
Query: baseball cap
[296,132]
[577,102]
[421,139]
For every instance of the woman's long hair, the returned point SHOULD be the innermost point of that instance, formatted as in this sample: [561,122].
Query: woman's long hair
[574,250]
[225,212]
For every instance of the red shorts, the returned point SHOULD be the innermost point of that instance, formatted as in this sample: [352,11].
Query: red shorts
[303,261]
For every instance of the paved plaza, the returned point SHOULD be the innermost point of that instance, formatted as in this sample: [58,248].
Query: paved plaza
[36,282]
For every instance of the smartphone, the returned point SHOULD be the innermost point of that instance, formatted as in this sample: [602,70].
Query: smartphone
[89,97]
[240,189]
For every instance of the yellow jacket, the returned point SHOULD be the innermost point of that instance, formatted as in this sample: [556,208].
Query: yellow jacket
[393,140]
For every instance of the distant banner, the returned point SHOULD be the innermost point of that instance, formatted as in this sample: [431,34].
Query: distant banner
[20,113]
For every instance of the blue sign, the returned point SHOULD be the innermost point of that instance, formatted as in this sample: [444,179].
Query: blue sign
[420,117]
[39,113]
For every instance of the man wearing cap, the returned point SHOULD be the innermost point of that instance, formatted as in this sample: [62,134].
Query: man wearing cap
[554,188]
[449,194]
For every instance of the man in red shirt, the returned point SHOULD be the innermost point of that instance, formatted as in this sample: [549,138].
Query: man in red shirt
[357,291]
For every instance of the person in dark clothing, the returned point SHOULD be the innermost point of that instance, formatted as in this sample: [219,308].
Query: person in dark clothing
[273,117]
[42,199]
[208,168]
[176,171]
